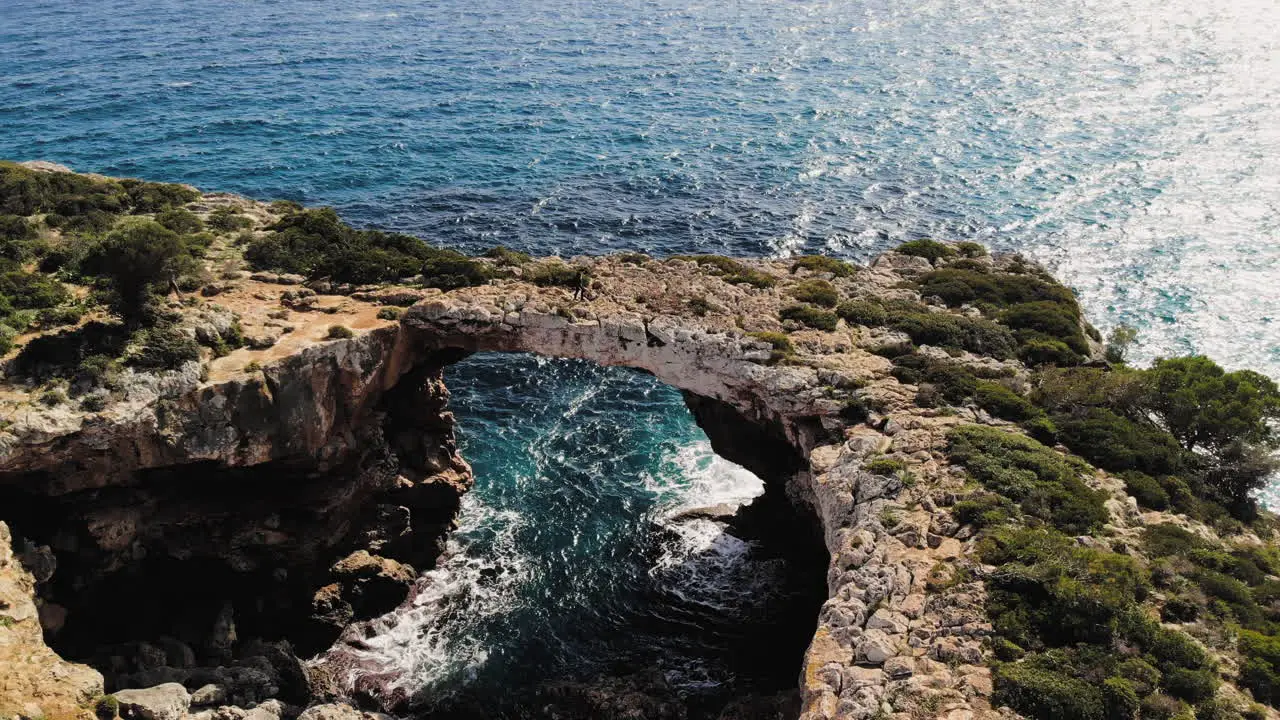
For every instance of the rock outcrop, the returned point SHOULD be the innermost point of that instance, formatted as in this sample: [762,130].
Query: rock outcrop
[315,414]
[35,682]
[294,486]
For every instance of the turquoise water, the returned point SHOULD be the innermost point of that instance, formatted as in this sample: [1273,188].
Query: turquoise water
[1133,145]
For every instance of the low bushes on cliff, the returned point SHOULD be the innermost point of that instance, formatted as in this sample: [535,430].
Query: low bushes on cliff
[227,219]
[815,292]
[783,348]
[316,243]
[929,249]
[1043,314]
[823,264]
[925,327]
[1060,609]
[730,270]
[810,316]
[449,269]
[1045,485]
[27,192]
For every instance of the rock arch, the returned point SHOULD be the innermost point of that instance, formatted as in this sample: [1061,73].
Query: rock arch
[359,428]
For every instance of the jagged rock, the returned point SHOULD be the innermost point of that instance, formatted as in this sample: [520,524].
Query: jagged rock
[899,667]
[331,712]
[170,701]
[262,338]
[208,695]
[875,648]
[31,671]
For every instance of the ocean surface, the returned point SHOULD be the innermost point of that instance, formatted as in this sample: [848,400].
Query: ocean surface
[1132,145]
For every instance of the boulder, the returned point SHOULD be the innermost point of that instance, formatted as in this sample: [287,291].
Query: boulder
[331,712]
[170,701]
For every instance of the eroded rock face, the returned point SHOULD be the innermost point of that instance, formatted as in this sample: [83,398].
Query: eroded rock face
[35,682]
[320,483]
[221,514]
[201,520]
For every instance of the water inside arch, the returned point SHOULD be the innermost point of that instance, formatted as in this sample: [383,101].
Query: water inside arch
[599,547]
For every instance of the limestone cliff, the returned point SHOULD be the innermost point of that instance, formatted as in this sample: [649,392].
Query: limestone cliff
[317,471]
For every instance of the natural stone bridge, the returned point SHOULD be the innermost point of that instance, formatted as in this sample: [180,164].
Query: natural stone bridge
[312,457]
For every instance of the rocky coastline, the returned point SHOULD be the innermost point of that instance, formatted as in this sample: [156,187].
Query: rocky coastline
[211,542]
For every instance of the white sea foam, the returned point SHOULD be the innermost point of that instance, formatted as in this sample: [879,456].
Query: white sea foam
[432,640]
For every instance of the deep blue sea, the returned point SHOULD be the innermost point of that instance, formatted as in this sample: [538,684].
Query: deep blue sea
[1133,145]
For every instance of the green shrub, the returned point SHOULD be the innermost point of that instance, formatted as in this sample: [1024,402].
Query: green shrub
[810,316]
[1180,610]
[180,220]
[1260,671]
[1191,685]
[1161,707]
[316,243]
[815,292]
[1141,675]
[163,347]
[557,274]
[1042,429]
[389,313]
[284,207]
[884,466]
[253,366]
[1044,484]
[633,258]
[1048,319]
[107,708]
[945,330]
[1146,490]
[449,270]
[149,197]
[227,219]
[855,411]
[1120,699]
[1116,443]
[1172,649]
[339,332]
[1037,351]
[22,290]
[823,264]
[783,348]
[982,286]
[138,258]
[1003,402]
[970,249]
[984,511]
[730,270]
[16,228]
[863,312]
[52,397]
[1167,539]
[1046,695]
[925,248]
[507,256]
[7,334]
[949,381]
[700,306]
[1049,591]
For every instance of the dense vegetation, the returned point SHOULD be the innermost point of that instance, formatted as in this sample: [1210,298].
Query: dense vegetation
[59,226]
